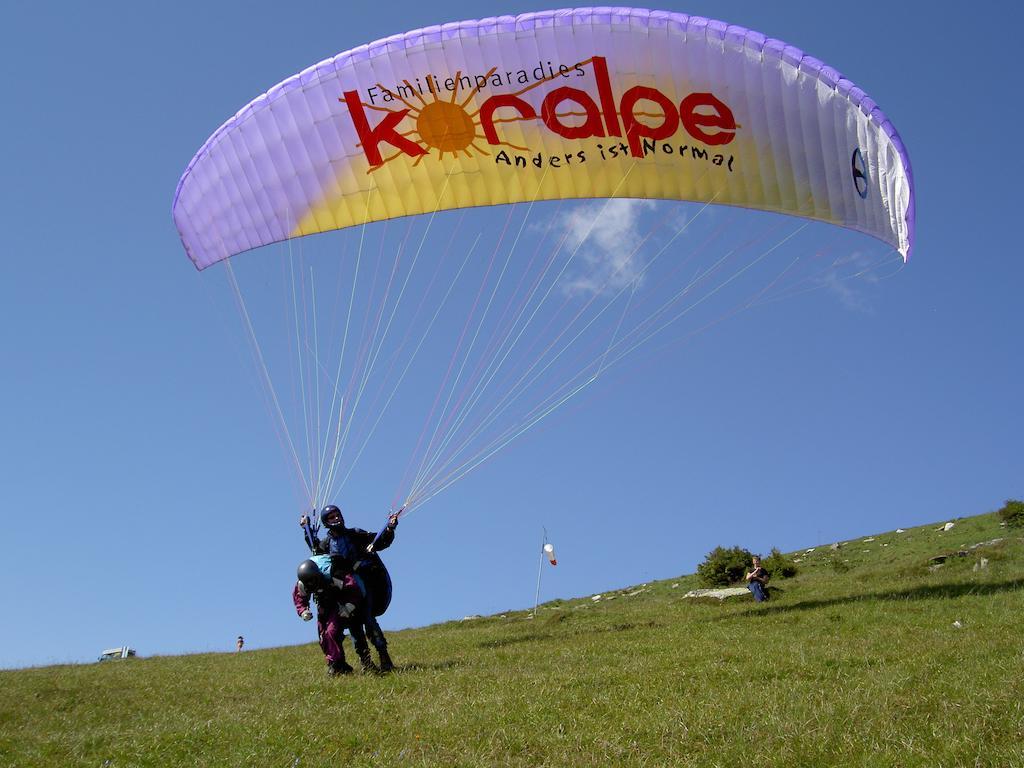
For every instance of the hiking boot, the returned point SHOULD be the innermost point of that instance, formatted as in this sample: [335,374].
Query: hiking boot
[366,661]
[386,664]
[337,668]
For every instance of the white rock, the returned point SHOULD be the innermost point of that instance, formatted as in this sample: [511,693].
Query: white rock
[470,618]
[869,538]
[718,594]
[957,624]
[675,585]
[900,530]
[946,527]
[595,598]
[808,551]
[985,543]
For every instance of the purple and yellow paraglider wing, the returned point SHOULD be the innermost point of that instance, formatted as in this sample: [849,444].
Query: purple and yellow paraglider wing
[589,102]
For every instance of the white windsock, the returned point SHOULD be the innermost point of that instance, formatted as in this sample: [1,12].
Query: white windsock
[549,550]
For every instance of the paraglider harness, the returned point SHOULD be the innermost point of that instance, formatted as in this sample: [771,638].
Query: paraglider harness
[368,570]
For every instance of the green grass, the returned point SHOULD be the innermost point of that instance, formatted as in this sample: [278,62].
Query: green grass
[855,662]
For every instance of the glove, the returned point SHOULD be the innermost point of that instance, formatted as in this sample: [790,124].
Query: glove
[307,615]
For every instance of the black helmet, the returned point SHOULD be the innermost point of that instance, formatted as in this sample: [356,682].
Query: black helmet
[331,517]
[311,576]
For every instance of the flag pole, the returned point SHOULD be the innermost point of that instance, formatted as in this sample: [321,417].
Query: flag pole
[540,570]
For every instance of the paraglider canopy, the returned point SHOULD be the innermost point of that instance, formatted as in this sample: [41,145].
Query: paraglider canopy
[586,102]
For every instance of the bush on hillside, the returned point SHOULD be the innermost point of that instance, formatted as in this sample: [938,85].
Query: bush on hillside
[724,566]
[1012,513]
[838,564]
[778,565]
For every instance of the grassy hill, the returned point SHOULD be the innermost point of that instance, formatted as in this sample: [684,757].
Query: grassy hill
[855,662]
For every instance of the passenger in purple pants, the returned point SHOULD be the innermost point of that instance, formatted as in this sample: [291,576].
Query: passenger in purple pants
[337,601]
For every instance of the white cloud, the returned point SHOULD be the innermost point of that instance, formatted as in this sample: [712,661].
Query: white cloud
[845,279]
[606,234]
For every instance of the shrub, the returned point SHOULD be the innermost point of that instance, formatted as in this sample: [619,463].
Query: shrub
[1012,513]
[724,566]
[838,564]
[778,565]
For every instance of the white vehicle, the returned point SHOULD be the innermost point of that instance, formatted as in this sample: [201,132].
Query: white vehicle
[124,652]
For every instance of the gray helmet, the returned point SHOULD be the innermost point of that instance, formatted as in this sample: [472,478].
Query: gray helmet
[311,576]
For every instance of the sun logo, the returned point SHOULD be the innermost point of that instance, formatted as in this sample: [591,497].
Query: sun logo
[444,125]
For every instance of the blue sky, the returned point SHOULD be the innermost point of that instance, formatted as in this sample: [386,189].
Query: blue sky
[146,500]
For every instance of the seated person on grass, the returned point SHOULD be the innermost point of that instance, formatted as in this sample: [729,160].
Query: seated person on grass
[757,580]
